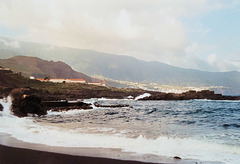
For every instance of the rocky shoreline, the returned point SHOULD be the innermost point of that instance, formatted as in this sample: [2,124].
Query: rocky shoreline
[190,95]
[30,101]
[1,107]
[35,97]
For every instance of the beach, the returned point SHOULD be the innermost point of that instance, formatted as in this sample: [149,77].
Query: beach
[15,151]
[10,155]
[151,132]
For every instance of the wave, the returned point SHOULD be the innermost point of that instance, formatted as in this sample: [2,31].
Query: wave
[142,96]
[27,130]
[111,113]
[152,111]
[226,101]
[6,103]
[69,112]
[231,125]
[187,122]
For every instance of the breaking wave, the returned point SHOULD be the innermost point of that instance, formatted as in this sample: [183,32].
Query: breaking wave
[29,130]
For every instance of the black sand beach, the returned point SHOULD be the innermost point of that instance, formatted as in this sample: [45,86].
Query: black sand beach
[15,151]
[12,155]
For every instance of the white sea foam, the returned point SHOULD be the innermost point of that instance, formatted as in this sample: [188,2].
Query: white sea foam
[27,130]
[105,99]
[6,103]
[130,97]
[69,112]
[91,101]
[227,101]
[142,96]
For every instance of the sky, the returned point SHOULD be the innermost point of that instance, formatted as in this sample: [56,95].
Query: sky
[197,34]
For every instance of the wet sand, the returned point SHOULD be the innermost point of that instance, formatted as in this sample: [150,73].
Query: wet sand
[11,155]
[13,151]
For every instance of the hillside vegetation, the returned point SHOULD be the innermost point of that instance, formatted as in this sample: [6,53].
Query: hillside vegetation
[55,91]
[18,86]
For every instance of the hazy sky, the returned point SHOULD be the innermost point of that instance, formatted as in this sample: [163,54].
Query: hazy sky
[200,34]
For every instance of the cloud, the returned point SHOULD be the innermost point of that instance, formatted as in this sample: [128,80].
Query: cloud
[212,58]
[221,64]
[10,44]
[146,29]
[199,28]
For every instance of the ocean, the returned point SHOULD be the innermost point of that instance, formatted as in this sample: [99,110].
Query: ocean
[204,130]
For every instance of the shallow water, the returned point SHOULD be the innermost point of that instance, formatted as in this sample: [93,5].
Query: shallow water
[195,129]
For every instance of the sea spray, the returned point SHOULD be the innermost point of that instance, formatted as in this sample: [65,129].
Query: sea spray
[165,132]
[69,112]
[6,103]
[142,96]
[26,130]
[91,101]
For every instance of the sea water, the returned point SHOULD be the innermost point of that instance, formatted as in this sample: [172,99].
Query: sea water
[195,129]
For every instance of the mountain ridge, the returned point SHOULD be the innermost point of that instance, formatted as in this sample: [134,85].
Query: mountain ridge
[125,68]
[39,68]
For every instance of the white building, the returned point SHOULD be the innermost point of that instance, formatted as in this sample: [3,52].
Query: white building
[57,80]
[32,77]
[62,80]
[101,83]
[76,81]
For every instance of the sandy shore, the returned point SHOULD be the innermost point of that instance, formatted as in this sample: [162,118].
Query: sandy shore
[15,151]
[11,155]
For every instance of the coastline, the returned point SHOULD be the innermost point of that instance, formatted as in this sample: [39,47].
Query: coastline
[15,151]
[12,146]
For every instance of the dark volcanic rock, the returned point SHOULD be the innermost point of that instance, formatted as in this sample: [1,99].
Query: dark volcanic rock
[21,107]
[4,92]
[189,95]
[111,106]
[84,105]
[1,107]
[177,158]
[26,102]
[65,105]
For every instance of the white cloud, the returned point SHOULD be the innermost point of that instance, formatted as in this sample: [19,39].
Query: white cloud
[146,29]
[219,64]
[10,44]
[212,59]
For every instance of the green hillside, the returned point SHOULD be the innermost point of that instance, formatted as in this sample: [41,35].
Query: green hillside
[57,91]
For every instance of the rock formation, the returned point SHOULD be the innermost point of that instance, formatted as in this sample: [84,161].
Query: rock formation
[189,95]
[21,107]
[1,107]
[65,105]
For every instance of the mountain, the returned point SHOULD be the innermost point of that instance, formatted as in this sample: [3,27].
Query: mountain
[125,68]
[34,66]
